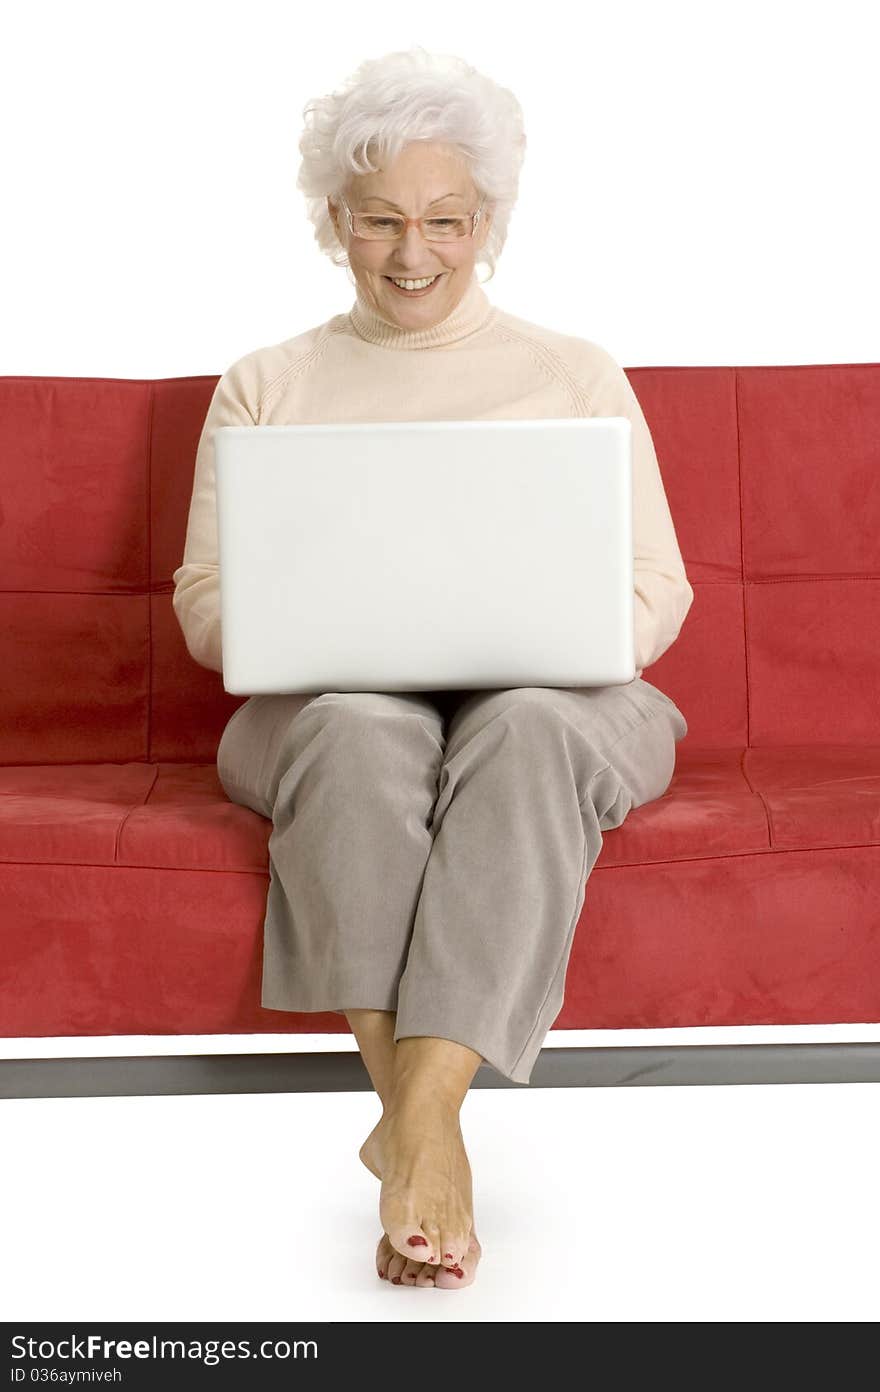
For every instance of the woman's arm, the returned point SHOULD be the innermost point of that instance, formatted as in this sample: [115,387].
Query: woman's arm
[196,600]
[663,594]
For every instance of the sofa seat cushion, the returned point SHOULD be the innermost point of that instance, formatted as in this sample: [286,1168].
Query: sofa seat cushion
[164,816]
[744,895]
[818,795]
[734,801]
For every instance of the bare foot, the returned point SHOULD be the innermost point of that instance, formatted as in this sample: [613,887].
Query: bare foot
[426,1201]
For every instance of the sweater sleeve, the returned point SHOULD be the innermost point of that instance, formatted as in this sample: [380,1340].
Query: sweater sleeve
[663,594]
[196,600]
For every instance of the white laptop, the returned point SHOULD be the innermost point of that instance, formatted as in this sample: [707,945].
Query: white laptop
[425,555]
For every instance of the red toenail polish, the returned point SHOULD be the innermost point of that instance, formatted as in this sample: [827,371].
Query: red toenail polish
[396,1281]
[415,1241]
[448,1254]
[456,1271]
[382,1274]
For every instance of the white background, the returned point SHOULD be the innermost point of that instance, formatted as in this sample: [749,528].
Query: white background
[699,188]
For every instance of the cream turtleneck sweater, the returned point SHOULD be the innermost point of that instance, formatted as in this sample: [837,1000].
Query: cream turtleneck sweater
[477,364]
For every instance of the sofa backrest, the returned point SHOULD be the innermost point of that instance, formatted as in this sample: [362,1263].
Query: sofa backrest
[773,481]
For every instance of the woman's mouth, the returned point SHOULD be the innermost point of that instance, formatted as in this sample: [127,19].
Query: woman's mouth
[417,282]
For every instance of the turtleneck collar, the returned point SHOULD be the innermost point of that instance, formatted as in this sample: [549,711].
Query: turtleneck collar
[473,312]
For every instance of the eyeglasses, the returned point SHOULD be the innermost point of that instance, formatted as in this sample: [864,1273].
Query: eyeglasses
[389,227]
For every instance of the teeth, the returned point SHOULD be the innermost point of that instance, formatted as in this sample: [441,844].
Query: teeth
[414,284]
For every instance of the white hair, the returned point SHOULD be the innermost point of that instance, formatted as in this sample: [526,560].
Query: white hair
[404,96]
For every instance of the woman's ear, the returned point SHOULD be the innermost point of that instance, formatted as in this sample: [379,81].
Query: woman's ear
[334,215]
[483,227]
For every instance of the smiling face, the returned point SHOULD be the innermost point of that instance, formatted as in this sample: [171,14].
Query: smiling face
[427,178]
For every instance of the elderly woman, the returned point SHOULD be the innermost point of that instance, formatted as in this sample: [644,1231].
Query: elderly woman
[430,850]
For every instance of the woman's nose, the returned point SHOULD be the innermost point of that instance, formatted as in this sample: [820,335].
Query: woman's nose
[412,247]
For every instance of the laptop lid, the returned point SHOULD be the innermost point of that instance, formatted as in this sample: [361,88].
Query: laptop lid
[423,555]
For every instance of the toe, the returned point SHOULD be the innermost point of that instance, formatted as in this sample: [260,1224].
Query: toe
[410,1241]
[426,1275]
[383,1255]
[394,1269]
[456,1277]
[453,1248]
[433,1235]
[410,1272]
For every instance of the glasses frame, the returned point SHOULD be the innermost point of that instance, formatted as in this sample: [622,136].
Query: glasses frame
[414,222]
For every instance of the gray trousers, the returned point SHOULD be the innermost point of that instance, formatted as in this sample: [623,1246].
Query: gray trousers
[430,850]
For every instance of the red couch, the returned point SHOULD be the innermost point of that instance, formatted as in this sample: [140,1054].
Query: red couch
[132,890]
